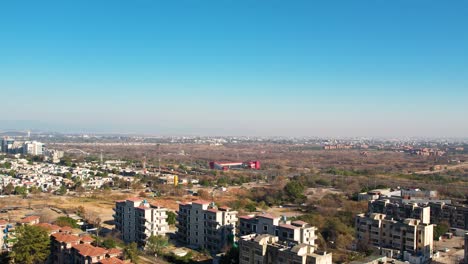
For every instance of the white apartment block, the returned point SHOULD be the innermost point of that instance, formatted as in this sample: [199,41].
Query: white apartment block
[295,231]
[268,249]
[408,239]
[137,220]
[202,225]
[32,148]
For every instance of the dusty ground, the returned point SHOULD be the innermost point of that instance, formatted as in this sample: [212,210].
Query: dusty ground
[455,253]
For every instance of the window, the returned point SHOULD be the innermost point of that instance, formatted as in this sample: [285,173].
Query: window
[265,228]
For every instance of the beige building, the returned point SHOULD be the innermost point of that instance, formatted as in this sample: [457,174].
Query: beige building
[408,239]
[295,231]
[202,225]
[267,249]
[136,220]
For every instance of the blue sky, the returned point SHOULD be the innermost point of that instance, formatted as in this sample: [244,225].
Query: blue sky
[225,67]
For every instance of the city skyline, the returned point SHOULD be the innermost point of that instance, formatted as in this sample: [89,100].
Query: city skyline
[371,68]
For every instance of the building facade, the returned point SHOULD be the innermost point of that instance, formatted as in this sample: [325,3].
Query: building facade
[137,220]
[202,225]
[267,249]
[408,239]
[295,231]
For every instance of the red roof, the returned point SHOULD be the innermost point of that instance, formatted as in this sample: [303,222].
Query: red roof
[29,219]
[66,229]
[112,261]
[87,238]
[288,226]
[88,250]
[212,210]
[225,208]
[270,216]
[245,217]
[114,251]
[3,222]
[66,238]
[201,202]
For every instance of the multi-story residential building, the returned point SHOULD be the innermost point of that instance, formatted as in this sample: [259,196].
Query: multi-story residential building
[202,225]
[267,249]
[295,231]
[136,219]
[398,210]
[408,239]
[426,210]
[33,148]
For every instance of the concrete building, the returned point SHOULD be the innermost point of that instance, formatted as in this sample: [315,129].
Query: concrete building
[408,239]
[137,220]
[400,211]
[295,231]
[33,148]
[267,249]
[202,225]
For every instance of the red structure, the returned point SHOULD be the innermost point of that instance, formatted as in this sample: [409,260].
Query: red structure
[216,165]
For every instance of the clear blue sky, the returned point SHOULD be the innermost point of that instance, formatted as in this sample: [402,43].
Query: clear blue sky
[232,67]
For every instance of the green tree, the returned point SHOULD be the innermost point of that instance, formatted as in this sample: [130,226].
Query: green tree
[294,190]
[440,229]
[131,252]
[109,243]
[21,190]
[33,245]
[9,189]
[171,218]
[155,244]
[7,165]
[66,221]
[251,207]
[62,190]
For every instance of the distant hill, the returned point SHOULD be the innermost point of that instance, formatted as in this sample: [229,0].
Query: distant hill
[13,134]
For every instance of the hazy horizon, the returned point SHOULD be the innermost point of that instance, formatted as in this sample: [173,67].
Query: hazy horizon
[252,68]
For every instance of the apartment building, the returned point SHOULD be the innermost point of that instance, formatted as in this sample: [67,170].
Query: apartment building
[267,249]
[136,219]
[395,208]
[408,239]
[426,210]
[202,225]
[295,231]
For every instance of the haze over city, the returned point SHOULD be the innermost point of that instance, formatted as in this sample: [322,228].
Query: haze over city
[262,68]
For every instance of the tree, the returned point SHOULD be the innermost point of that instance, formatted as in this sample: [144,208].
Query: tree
[251,207]
[440,229]
[35,190]
[131,252]
[294,190]
[62,190]
[21,190]
[7,165]
[33,245]
[66,221]
[231,257]
[155,244]
[171,218]
[9,189]
[109,243]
